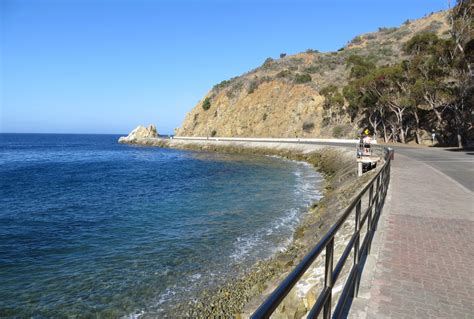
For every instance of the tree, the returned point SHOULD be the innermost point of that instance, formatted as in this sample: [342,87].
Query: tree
[333,102]
[436,77]
[360,66]
[462,35]
[206,105]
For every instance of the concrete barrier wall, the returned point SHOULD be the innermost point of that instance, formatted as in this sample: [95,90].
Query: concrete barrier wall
[264,139]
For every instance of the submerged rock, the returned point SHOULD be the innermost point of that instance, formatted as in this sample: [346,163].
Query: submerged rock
[139,133]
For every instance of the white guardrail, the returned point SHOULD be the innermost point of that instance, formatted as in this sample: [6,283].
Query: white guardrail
[279,140]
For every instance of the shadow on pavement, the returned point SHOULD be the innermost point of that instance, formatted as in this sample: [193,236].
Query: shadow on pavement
[466,150]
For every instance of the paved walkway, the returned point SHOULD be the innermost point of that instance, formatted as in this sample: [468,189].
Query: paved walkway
[422,260]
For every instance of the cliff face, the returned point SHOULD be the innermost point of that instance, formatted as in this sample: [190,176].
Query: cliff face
[281,98]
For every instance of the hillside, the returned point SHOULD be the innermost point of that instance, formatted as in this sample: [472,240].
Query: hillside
[282,98]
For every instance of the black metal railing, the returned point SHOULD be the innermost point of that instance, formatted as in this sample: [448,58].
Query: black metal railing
[377,190]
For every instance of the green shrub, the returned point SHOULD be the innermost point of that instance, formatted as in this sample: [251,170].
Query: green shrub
[312,51]
[338,131]
[308,126]
[312,69]
[213,133]
[282,55]
[357,40]
[302,78]
[264,117]
[221,85]
[206,105]
[283,74]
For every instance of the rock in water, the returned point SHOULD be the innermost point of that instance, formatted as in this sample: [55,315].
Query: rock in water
[140,132]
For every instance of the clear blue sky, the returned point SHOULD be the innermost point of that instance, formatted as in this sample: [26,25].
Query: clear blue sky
[105,66]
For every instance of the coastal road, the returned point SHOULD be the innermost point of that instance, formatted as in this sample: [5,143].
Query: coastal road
[456,164]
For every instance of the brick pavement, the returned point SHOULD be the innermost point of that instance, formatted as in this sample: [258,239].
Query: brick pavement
[422,260]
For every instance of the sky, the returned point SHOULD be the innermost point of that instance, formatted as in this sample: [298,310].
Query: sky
[106,66]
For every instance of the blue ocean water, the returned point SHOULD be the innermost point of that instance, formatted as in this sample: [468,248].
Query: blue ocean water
[90,227]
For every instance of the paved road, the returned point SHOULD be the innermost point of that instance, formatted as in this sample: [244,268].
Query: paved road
[457,164]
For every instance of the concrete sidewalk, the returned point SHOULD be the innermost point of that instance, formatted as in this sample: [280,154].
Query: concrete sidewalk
[422,259]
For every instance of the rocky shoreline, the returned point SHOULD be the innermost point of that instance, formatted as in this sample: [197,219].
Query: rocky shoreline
[241,297]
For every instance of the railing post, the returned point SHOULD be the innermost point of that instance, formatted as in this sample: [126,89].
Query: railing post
[356,247]
[382,188]
[377,202]
[378,183]
[369,214]
[328,277]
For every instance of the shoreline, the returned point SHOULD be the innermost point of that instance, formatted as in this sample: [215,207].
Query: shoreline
[242,296]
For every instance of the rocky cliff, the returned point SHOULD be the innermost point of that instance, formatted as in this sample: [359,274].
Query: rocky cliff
[282,97]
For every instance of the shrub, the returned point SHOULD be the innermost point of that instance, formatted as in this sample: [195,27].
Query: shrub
[267,62]
[433,26]
[312,51]
[338,131]
[308,126]
[221,85]
[400,34]
[357,40]
[264,117]
[206,105]
[234,90]
[420,42]
[252,86]
[283,74]
[371,36]
[325,121]
[312,69]
[302,78]
[386,30]
[282,55]
[213,133]
[255,83]
[384,52]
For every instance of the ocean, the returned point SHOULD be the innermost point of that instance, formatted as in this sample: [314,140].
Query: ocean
[90,227]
